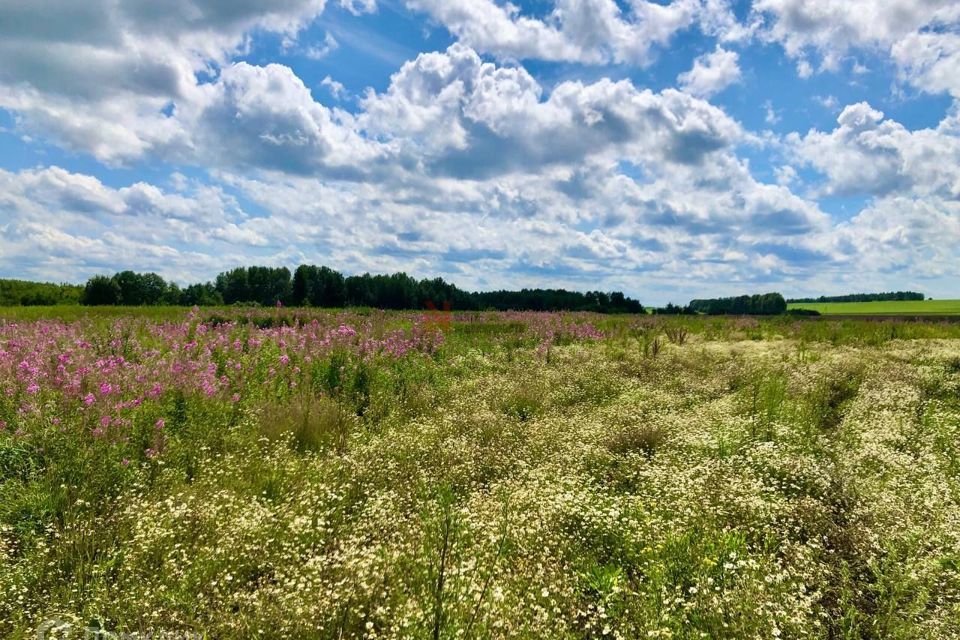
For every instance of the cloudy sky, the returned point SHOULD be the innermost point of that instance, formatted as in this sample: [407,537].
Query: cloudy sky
[668,149]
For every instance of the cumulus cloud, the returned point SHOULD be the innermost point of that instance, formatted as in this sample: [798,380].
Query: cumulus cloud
[711,73]
[918,34]
[919,237]
[56,224]
[266,118]
[99,76]
[463,116]
[586,31]
[930,61]
[869,154]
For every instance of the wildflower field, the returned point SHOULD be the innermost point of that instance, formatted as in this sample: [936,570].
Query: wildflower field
[238,473]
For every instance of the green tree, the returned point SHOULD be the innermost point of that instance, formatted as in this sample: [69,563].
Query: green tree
[101,290]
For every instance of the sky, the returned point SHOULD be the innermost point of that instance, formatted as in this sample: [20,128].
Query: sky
[670,150]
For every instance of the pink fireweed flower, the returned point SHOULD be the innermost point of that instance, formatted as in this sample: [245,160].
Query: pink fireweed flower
[89,399]
[284,359]
[151,453]
[33,388]
[235,398]
[106,389]
[96,433]
[125,462]
[105,421]
[161,423]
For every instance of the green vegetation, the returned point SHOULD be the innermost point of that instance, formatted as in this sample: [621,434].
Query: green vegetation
[766,304]
[309,285]
[298,473]
[866,297]
[900,307]
[21,292]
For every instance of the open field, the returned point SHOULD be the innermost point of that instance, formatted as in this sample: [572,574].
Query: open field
[893,307]
[320,474]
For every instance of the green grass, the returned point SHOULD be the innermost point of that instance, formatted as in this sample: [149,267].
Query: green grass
[892,307]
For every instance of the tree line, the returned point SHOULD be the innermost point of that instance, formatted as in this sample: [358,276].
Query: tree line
[762,304]
[866,297]
[17,293]
[320,286]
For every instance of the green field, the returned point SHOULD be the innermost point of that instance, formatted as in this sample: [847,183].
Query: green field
[892,307]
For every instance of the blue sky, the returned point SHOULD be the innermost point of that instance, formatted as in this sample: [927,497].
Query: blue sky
[667,149]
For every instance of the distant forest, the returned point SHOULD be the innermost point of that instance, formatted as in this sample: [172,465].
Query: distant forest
[308,285]
[319,286]
[766,304]
[17,293]
[865,297]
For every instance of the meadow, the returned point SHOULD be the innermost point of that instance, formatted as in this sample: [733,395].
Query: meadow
[238,473]
[889,307]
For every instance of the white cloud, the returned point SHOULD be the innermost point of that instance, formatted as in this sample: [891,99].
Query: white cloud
[869,154]
[711,73]
[461,115]
[336,89]
[918,237]
[264,117]
[786,175]
[930,61]
[918,34]
[357,7]
[586,31]
[827,102]
[321,51]
[98,76]
[59,225]
[770,115]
